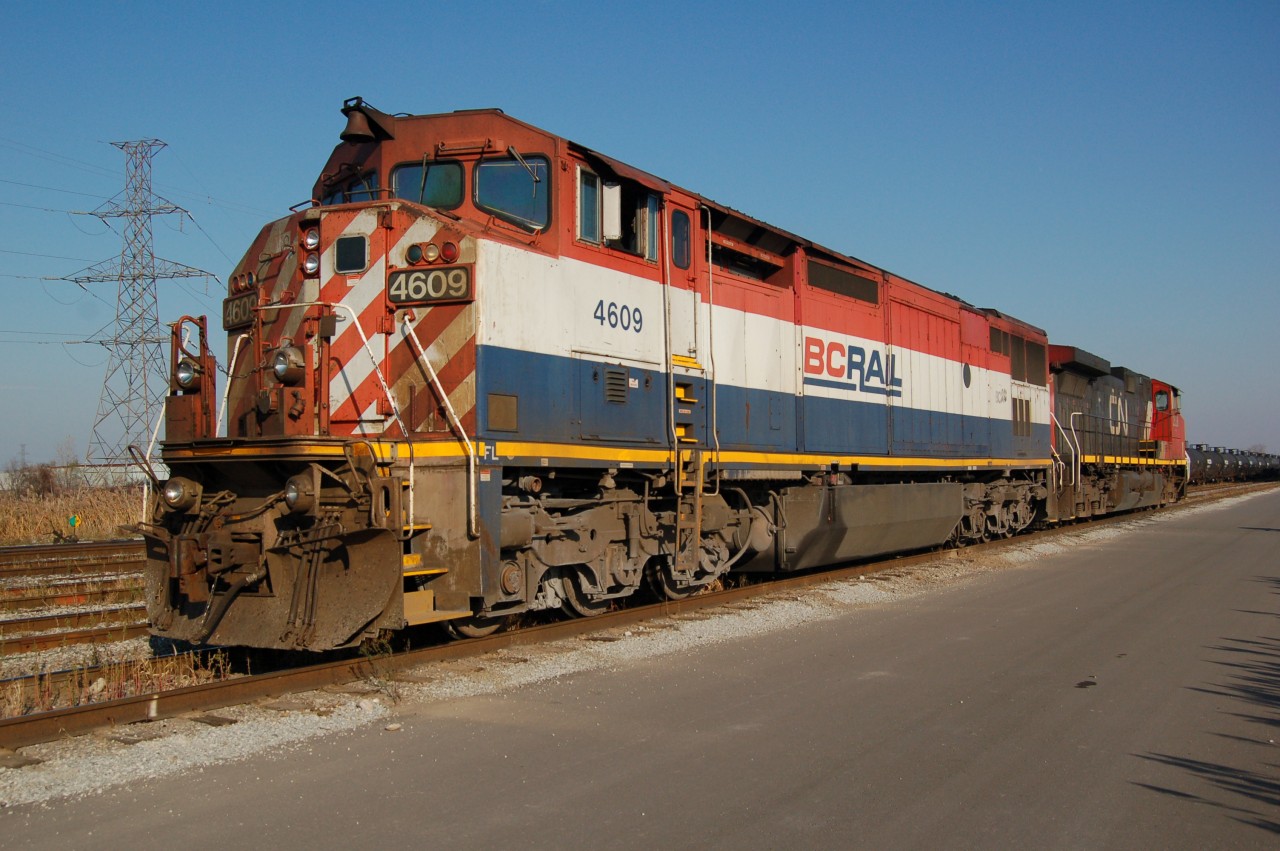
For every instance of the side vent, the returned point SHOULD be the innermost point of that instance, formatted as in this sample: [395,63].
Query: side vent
[615,385]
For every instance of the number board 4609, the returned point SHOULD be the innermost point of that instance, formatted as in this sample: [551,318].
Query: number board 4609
[429,286]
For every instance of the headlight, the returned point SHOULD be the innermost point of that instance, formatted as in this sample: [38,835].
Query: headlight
[187,374]
[311,239]
[299,495]
[180,494]
[289,365]
[311,263]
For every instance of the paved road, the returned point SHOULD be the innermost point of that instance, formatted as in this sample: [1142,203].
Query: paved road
[1122,695]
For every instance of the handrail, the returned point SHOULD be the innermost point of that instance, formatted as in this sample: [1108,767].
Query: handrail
[1076,438]
[226,391]
[1074,449]
[364,340]
[714,378]
[664,246]
[454,421]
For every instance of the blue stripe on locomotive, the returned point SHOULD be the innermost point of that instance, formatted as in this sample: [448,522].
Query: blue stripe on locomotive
[567,399]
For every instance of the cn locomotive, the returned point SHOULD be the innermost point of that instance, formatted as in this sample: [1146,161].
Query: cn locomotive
[488,371]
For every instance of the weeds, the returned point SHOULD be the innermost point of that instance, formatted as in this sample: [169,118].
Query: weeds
[109,681]
[376,652]
[30,517]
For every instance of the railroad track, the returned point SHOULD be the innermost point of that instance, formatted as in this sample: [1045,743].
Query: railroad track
[161,703]
[85,558]
[62,594]
[40,632]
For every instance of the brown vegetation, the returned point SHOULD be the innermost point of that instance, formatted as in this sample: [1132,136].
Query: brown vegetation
[109,681]
[38,501]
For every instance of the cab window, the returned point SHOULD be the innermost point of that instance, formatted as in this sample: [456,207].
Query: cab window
[362,188]
[680,242]
[433,184]
[515,190]
[1162,400]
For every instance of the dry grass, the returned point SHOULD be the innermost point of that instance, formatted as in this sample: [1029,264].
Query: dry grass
[109,681]
[40,519]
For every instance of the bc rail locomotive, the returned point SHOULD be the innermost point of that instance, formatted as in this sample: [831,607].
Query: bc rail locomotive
[489,371]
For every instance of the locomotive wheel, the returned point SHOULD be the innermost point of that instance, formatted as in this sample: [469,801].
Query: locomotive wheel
[666,588]
[577,604]
[472,627]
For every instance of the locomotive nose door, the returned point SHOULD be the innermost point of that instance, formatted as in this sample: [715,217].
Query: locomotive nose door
[358,399]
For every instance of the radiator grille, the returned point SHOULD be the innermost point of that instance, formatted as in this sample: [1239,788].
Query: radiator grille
[615,385]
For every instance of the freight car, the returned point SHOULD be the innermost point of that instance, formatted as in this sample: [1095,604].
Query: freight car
[489,371]
[1211,464]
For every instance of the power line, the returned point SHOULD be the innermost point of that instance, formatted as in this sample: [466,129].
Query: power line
[42,209]
[46,256]
[31,150]
[53,189]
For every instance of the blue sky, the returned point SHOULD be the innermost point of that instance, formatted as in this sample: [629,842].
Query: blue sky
[1107,171]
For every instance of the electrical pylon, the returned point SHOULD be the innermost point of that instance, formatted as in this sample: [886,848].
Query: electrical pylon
[136,383]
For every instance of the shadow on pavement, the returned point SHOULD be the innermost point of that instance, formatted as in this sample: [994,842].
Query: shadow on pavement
[1252,691]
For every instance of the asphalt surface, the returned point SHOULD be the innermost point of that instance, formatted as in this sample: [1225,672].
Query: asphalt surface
[1125,694]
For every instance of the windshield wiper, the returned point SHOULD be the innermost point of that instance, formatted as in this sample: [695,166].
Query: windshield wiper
[512,150]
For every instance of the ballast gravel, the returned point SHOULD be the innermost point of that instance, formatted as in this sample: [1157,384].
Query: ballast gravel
[90,764]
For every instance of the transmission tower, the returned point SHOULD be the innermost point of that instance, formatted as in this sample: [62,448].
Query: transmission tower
[136,383]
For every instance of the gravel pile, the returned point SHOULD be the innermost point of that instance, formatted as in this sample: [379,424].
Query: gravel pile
[89,764]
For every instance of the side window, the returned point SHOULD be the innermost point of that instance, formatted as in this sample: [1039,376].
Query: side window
[516,190]
[1162,400]
[629,219]
[651,228]
[434,184]
[680,239]
[588,206]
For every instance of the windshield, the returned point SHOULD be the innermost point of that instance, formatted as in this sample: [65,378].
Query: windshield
[516,190]
[434,184]
[361,188]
